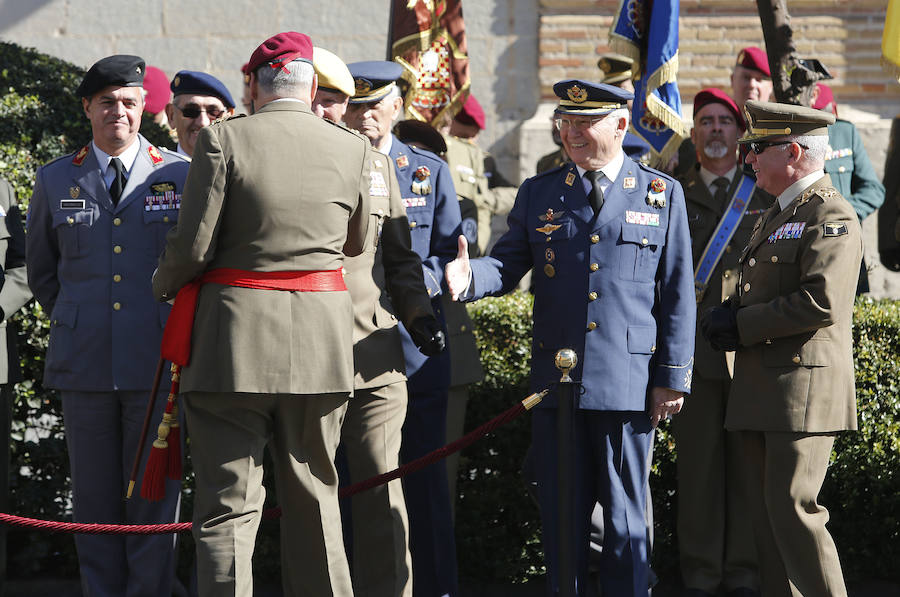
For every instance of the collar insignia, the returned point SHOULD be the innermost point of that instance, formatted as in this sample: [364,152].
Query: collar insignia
[81,155]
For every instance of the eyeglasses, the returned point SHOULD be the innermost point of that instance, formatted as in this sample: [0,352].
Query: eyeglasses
[580,124]
[761,146]
[192,111]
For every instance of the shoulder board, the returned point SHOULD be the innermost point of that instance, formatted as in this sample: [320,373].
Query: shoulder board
[173,155]
[827,193]
[81,155]
[234,116]
[654,171]
[343,127]
[425,152]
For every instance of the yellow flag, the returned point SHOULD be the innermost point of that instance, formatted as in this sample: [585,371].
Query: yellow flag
[890,40]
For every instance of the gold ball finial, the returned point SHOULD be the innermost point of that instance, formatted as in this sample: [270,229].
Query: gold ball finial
[566,359]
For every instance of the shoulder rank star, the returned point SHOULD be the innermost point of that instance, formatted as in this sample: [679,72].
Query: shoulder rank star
[551,215]
[421,184]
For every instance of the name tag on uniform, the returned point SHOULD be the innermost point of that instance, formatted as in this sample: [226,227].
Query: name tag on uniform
[71,204]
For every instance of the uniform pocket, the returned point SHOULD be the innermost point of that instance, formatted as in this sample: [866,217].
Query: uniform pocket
[61,349]
[639,250]
[161,221]
[73,231]
[794,352]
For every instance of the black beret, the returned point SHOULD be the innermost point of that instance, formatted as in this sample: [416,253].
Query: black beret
[121,70]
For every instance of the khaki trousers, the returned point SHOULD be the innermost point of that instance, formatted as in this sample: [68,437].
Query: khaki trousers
[229,433]
[371,439]
[715,536]
[797,556]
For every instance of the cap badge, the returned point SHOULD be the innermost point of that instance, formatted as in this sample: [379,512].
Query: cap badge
[741,57]
[74,192]
[177,81]
[137,69]
[604,65]
[577,94]
[363,86]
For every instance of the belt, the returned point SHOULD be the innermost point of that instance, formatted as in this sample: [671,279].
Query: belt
[176,343]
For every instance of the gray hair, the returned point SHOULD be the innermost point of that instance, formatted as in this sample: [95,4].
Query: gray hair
[816,146]
[296,82]
[620,113]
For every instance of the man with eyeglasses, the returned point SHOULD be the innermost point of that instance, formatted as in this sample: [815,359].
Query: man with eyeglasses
[608,240]
[199,99]
[98,218]
[715,541]
[790,325]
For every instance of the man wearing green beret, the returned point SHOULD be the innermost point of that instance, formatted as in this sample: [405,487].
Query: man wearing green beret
[793,387]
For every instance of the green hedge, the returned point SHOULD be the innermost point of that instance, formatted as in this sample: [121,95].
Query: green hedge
[498,530]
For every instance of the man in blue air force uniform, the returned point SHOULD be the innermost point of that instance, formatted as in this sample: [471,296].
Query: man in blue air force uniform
[96,225]
[432,209]
[609,243]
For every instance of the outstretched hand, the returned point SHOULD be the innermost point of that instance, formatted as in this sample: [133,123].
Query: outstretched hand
[458,272]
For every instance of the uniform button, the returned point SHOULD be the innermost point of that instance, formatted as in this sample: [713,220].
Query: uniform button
[541,344]
[747,287]
[644,241]
[768,340]
[752,261]
[652,349]
[165,218]
[117,278]
[728,249]
[117,221]
[117,306]
[592,326]
[592,296]
[774,258]
[462,328]
[796,359]
[117,249]
[842,169]
[412,224]
[595,239]
[727,274]
[70,220]
[380,212]
[55,322]
[595,267]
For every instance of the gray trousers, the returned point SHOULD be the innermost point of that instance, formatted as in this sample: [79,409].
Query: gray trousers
[102,432]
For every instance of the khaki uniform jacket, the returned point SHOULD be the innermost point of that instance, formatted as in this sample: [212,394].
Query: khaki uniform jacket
[281,190]
[794,368]
[14,292]
[703,217]
[385,281]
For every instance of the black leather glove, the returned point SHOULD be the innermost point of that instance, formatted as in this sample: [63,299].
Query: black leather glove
[427,335]
[890,258]
[719,326]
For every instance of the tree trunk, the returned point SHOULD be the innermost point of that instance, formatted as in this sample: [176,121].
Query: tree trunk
[793,82]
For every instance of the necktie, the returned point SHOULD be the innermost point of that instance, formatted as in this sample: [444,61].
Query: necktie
[595,197]
[721,186]
[118,181]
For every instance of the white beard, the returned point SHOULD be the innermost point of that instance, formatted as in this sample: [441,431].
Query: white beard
[715,150]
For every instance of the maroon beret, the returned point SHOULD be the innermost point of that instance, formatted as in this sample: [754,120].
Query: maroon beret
[822,102]
[471,113]
[156,84]
[281,49]
[755,58]
[711,95]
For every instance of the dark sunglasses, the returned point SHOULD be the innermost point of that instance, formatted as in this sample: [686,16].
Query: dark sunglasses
[761,146]
[195,111]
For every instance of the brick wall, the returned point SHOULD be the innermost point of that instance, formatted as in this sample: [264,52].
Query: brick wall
[845,36]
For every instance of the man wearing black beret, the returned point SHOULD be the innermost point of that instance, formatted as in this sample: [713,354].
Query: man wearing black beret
[98,219]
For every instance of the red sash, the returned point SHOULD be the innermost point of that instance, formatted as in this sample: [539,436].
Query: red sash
[176,342]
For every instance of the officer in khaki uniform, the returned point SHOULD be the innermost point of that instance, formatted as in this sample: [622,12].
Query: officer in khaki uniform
[793,387]
[385,281]
[277,198]
[715,540]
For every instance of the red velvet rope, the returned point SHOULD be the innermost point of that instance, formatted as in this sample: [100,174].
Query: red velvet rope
[272,513]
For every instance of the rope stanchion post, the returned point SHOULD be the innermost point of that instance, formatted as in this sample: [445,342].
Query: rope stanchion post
[566,359]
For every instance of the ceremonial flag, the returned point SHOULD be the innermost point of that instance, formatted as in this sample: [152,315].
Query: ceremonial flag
[647,31]
[428,38]
[890,40]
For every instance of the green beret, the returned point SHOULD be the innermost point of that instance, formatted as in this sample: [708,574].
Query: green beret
[766,120]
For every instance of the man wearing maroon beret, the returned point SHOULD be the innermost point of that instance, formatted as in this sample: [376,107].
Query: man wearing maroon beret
[272,205]
[714,536]
[751,77]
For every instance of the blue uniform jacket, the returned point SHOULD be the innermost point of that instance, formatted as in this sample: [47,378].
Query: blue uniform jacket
[89,266]
[432,209]
[617,289]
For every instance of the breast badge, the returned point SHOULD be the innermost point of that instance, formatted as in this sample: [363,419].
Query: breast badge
[548,229]
[656,196]
[834,229]
[421,183]
[74,192]
[551,215]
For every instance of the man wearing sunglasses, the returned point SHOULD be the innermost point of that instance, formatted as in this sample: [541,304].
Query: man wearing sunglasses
[199,99]
[793,387]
